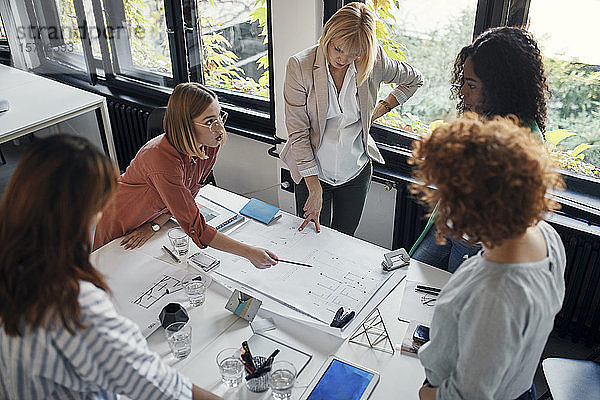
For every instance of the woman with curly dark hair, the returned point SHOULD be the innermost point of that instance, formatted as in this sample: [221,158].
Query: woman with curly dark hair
[493,317]
[501,73]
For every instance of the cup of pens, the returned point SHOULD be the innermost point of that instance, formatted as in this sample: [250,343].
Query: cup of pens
[256,369]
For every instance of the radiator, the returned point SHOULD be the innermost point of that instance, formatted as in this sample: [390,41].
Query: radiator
[128,123]
[580,314]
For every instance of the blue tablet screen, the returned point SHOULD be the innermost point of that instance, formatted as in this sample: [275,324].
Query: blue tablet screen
[341,382]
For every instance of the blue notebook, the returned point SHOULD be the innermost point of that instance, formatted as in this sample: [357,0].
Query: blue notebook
[260,211]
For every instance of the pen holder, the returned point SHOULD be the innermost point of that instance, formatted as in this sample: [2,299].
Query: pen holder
[260,383]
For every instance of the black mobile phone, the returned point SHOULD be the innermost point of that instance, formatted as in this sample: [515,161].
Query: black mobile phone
[421,334]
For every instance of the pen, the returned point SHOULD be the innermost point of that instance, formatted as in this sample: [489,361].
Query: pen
[293,262]
[173,256]
[269,359]
[247,356]
[430,292]
[433,289]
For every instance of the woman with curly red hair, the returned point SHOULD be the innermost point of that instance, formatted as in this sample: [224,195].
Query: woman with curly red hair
[493,317]
[501,73]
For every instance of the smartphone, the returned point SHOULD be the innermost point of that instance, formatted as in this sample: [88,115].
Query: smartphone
[421,334]
[203,261]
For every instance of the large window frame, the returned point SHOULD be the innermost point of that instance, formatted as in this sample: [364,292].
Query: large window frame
[115,71]
[395,144]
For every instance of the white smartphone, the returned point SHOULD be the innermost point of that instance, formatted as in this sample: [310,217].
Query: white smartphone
[203,261]
[331,382]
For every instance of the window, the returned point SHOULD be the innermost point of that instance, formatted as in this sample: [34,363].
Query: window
[4,49]
[149,46]
[235,38]
[430,34]
[566,33]
[3,37]
[138,38]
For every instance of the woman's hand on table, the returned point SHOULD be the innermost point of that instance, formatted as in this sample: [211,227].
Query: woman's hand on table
[314,203]
[138,236]
[261,258]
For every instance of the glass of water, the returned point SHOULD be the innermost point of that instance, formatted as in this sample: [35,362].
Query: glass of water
[194,288]
[179,337]
[180,241]
[281,379]
[230,366]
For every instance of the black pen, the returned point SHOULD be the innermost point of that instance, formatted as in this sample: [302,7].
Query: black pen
[269,359]
[433,289]
[430,292]
[173,256]
[293,262]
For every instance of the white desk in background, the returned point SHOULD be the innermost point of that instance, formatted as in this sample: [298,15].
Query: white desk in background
[36,102]
[215,328]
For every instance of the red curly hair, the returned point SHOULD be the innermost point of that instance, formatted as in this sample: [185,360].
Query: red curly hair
[491,179]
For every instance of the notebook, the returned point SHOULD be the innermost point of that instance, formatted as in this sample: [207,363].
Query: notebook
[215,214]
[260,211]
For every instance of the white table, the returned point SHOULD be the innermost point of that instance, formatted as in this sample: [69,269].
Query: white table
[215,328]
[36,102]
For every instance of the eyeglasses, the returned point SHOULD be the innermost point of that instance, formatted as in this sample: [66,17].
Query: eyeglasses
[216,124]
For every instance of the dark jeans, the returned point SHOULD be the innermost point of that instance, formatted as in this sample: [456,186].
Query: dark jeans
[347,201]
[447,256]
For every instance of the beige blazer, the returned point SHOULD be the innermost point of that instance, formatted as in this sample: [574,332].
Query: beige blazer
[306,101]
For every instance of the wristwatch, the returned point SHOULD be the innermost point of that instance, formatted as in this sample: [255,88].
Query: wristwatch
[155,226]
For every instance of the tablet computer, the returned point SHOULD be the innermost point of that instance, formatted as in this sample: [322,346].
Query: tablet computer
[341,380]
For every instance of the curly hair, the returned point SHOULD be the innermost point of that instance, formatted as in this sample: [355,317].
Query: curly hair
[491,179]
[509,64]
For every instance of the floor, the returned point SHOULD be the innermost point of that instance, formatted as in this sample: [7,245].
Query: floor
[556,346]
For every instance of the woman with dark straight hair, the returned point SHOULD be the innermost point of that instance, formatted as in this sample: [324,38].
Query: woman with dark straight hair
[60,336]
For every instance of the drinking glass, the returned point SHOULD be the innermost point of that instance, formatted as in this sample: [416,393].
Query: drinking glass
[180,241]
[179,337]
[281,379]
[230,366]
[195,289]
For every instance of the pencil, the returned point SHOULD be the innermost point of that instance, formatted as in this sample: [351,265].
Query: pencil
[293,262]
[173,256]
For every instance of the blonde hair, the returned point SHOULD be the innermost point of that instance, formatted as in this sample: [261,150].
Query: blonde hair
[188,101]
[353,27]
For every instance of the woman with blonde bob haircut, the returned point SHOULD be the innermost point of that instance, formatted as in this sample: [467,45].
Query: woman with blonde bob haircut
[60,336]
[330,95]
[493,317]
[166,174]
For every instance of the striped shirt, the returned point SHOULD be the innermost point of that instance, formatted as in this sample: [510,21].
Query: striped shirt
[109,357]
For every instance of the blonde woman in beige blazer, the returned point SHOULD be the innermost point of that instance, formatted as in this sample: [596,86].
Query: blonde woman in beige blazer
[330,97]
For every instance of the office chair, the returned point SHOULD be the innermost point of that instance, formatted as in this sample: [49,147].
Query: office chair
[154,127]
[570,379]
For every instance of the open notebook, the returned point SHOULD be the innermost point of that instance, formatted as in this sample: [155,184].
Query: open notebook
[215,214]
